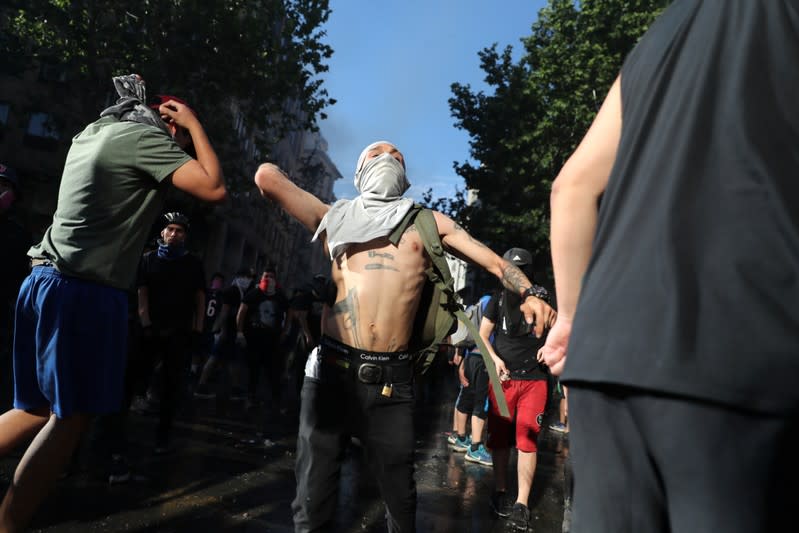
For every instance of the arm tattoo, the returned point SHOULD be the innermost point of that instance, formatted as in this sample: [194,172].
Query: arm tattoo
[458,227]
[514,279]
[349,308]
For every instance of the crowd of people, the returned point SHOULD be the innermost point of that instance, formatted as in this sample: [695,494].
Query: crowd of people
[157,324]
[674,246]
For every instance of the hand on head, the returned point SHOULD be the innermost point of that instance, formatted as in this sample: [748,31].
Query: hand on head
[177,113]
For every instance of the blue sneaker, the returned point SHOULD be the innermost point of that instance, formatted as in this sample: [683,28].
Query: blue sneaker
[560,427]
[459,444]
[480,455]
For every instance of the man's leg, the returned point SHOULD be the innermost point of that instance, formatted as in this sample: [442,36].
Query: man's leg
[389,447]
[478,425]
[478,381]
[525,467]
[44,460]
[256,348]
[532,401]
[320,451]
[499,431]
[616,486]
[460,422]
[17,426]
[175,359]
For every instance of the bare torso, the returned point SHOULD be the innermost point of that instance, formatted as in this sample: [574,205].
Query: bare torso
[378,290]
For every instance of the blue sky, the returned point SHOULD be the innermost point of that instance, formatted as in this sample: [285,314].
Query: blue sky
[391,74]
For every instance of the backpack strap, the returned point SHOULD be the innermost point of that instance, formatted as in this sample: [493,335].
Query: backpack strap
[439,274]
[493,377]
[396,234]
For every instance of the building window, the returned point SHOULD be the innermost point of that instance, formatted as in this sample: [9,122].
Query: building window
[42,132]
[42,125]
[4,109]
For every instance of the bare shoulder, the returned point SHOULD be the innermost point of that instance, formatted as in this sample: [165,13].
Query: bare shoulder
[445,224]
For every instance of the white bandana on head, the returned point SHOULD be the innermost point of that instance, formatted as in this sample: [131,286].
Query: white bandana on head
[376,211]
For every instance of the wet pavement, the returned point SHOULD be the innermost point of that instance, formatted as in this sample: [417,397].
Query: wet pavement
[222,476]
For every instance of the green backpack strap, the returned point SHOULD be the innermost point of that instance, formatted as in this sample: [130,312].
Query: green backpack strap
[496,384]
[439,274]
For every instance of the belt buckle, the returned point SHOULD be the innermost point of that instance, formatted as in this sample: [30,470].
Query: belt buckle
[369,373]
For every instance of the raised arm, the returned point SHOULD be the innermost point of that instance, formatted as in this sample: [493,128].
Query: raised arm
[458,242]
[302,205]
[202,177]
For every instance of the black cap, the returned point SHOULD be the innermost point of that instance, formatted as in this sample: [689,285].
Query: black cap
[518,256]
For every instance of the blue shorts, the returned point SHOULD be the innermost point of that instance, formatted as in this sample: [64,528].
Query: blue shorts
[70,340]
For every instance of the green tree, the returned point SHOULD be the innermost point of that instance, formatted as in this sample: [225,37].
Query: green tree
[540,108]
[266,56]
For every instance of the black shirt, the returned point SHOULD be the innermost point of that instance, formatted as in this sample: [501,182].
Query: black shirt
[231,296]
[213,306]
[264,311]
[304,300]
[513,340]
[172,286]
[693,286]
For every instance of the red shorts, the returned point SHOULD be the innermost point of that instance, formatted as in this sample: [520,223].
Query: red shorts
[526,403]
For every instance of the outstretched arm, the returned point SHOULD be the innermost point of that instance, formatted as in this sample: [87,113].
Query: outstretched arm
[458,242]
[302,205]
[574,203]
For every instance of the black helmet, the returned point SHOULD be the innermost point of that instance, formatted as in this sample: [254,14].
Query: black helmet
[178,218]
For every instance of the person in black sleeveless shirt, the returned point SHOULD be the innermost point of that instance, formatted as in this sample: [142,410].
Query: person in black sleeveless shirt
[683,352]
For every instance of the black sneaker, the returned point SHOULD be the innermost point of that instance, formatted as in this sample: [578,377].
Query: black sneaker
[237,394]
[120,471]
[501,504]
[519,517]
[204,392]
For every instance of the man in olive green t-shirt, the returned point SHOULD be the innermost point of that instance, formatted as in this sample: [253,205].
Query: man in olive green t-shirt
[71,321]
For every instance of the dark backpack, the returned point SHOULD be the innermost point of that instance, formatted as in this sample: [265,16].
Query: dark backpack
[439,309]
[464,336]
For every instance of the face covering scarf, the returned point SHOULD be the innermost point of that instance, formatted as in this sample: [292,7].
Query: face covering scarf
[376,211]
[165,251]
[132,103]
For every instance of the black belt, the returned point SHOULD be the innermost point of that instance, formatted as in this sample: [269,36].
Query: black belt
[390,371]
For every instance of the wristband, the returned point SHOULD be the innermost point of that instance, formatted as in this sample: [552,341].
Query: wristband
[529,291]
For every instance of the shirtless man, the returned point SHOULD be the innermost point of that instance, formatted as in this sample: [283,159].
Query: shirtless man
[360,381]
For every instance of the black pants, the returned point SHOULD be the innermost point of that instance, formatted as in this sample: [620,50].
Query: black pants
[644,462]
[333,408]
[172,349]
[264,355]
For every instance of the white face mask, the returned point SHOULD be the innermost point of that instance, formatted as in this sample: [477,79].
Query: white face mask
[382,177]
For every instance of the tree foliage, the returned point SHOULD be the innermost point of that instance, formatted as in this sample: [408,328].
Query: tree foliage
[540,108]
[265,55]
